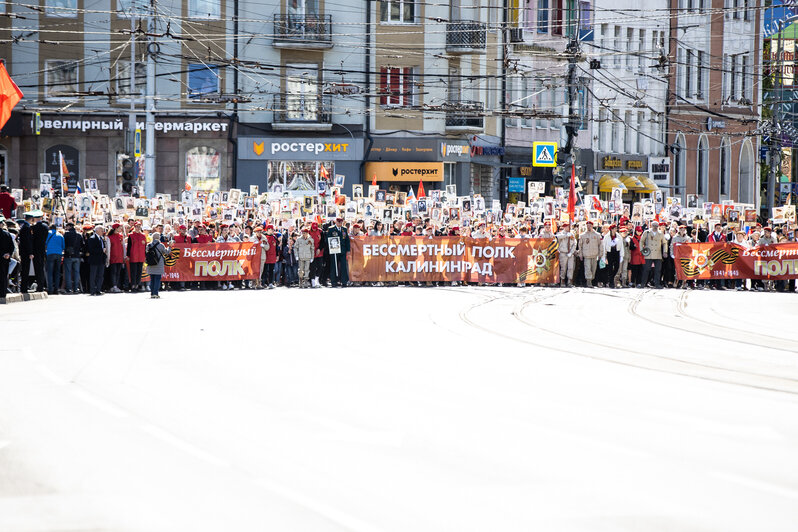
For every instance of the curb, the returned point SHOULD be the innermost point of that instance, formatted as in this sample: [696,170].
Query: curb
[18,298]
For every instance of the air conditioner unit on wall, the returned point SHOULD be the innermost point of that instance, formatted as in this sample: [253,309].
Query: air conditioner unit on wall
[516,35]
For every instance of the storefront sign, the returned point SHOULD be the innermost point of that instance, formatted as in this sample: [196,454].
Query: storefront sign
[634,164]
[659,169]
[455,152]
[300,149]
[234,261]
[525,171]
[447,259]
[730,261]
[401,171]
[403,149]
[51,125]
[611,163]
[487,151]
[516,184]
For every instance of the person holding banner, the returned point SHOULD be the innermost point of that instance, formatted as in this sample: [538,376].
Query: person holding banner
[339,272]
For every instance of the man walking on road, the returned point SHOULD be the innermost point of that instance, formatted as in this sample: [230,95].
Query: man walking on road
[653,245]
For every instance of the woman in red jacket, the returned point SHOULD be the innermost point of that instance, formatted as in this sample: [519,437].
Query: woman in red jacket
[136,249]
[636,259]
[271,256]
[318,256]
[116,255]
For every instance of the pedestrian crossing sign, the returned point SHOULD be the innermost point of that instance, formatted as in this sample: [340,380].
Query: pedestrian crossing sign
[545,153]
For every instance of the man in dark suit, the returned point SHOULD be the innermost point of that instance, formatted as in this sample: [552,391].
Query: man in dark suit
[40,232]
[96,249]
[25,239]
[339,272]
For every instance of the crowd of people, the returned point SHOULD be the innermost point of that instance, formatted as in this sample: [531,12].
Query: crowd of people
[98,258]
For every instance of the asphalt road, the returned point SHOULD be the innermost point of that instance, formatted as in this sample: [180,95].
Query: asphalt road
[400,409]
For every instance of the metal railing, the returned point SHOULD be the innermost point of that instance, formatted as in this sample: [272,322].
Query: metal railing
[302,108]
[312,30]
[465,114]
[465,35]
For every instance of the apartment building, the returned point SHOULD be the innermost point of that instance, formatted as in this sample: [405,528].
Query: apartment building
[714,99]
[437,76]
[630,80]
[537,87]
[304,70]
[72,60]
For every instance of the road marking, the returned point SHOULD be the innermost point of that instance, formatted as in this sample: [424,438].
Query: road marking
[98,403]
[757,485]
[184,446]
[347,521]
[45,372]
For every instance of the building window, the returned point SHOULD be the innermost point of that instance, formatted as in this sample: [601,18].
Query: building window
[203,168]
[60,8]
[688,74]
[702,167]
[123,80]
[732,77]
[60,79]
[614,134]
[641,49]
[699,79]
[397,87]
[202,80]
[641,138]
[725,167]
[628,132]
[543,16]
[298,176]
[616,47]
[204,9]
[600,133]
[630,48]
[679,161]
[398,11]
[125,7]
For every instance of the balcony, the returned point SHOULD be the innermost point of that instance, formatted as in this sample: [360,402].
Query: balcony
[303,112]
[466,36]
[464,116]
[311,32]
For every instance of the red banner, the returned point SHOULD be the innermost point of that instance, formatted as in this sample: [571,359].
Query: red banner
[230,261]
[710,260]
[501,260]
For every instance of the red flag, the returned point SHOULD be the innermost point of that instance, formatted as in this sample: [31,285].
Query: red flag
[421,189]
[374,179]
[572,196]
[10,95]
[325,174]
[187,186]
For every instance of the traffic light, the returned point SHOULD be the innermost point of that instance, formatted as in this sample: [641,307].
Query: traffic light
[562,172]
[125,175]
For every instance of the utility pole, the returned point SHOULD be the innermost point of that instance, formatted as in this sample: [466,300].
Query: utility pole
[775,151]
[149,156]
[131,119]
[572,125]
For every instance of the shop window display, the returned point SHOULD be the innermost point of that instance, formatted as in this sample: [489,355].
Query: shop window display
[298,176]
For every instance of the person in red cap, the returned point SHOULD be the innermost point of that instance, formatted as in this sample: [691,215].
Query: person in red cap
[408,230]
[304,249]
[318,256]
[271,257]
[7,202]
[116,256]
[136,250]
[182,237]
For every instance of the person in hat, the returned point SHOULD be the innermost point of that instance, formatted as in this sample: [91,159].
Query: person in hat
[636,259]
[304,249]
[590,251]
[272,252]
[681,237]
[116,257]
[182,237]
[653,246]
[136,253]
[612,253]
[97,248]
[156,271]
[32,248]
[73,249]
[622,277]
[566,246]
[7,249]
[339,272]
[318,255]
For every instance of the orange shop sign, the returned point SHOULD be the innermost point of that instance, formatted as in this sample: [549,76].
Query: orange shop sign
[398,171]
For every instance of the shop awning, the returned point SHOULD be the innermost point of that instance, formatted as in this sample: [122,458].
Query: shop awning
[607,183]
[632,183]
[650,186]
